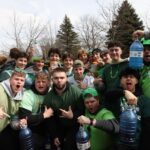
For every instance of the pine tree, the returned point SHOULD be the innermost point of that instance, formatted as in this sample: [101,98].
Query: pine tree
[125,23]
[67,38]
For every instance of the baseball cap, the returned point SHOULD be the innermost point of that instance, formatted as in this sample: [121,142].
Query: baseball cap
[90,91]
[78,63]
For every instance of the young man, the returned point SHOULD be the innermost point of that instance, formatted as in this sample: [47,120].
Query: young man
[117,100]
[79,79]
[67,60]
[11,93]
[145,71]
[99,120]
[31,107]
[110,76]
[67,103]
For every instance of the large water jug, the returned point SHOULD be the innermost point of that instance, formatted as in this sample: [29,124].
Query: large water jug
[25,137]
[128,127]
[82,139]
[136,55]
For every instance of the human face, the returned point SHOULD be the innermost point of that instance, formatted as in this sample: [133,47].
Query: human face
[59,80]
[96,56]
[39,64]
[106,58]
[83,58]
[146,54]
[54,57]
[115,53]
[78,71]
[17,83]
[68,63]
[21,63]
[91,104]
[128,82]
[41,85]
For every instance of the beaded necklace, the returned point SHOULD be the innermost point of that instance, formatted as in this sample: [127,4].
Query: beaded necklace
[114,74]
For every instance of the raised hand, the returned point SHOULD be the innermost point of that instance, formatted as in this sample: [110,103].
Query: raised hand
[67,114]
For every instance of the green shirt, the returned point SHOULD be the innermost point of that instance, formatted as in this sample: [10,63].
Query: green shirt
[100,140]
[32,102]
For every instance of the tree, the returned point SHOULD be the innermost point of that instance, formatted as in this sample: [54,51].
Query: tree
[91,32]
[67,38]
[123,26]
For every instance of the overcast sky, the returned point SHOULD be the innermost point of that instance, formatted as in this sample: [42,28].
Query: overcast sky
[55,10]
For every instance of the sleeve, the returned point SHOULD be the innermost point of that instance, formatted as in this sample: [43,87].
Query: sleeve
[111,125]
[31,119]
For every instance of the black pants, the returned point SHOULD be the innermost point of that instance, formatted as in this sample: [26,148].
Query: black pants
[9,139]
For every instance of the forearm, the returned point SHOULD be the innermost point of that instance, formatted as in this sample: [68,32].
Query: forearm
[111,125]
[31,119]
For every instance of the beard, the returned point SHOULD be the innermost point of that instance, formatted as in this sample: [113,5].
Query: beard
[59,86]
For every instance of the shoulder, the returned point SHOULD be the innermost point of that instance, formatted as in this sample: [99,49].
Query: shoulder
[106,114]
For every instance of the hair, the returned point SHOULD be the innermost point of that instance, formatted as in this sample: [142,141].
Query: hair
[22,55]
[130,71]
[97,50]
[14,53]
[82,51]
[58,69]
[54,51]
[3,59]
[42,75]
[113,44]
[67,55]
[20,74]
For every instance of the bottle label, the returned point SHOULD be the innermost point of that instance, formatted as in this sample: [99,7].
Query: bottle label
[136,53]
[83,146]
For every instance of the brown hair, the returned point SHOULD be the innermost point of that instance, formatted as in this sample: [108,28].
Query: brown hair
[42,75]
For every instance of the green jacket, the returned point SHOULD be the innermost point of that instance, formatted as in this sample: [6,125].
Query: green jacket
[70,97]
[100,140]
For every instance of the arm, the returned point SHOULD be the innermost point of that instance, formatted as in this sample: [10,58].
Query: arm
[110,125]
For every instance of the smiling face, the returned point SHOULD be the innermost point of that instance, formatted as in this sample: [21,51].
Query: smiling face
[68,63]
[128,82]
[91,104]
[21,62]
[17,81]
[39,64]
[78,72]
[115,53]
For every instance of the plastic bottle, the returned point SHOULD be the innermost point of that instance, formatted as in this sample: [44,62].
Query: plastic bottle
[136,55]
[25,137]
[128,127]
[83,139]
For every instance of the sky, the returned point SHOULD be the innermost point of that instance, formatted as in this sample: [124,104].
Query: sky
[55,10]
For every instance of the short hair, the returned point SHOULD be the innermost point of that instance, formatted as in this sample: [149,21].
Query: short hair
[14,53]
[82,51]
[22,55]
[114,43]
[58,69]
[67,55]
[54,51]
[97,50]
[129,71]
[42,75]
[20,74]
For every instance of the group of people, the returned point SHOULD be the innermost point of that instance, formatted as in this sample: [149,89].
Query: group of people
[55,98]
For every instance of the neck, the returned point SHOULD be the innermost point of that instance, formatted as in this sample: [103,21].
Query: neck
[117,61]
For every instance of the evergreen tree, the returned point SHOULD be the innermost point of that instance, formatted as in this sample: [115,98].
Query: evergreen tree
[125,23]
[67,38]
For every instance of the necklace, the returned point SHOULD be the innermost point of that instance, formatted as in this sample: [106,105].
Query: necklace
[114,74]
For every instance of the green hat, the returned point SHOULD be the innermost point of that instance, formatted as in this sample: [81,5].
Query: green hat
[90,91]
[78,63]
[36,58]
[145,41]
